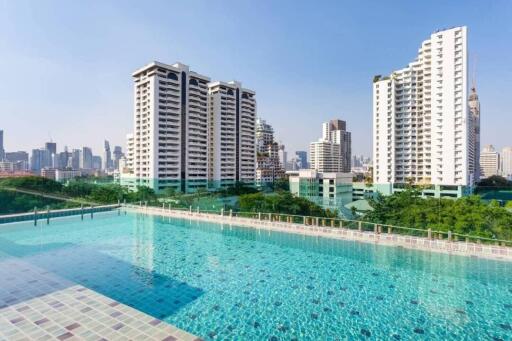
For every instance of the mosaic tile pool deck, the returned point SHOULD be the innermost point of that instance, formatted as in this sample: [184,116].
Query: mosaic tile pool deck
[228,282]
[36,304]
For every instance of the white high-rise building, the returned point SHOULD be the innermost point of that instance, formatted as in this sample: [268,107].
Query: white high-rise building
[188,132]
[506,162]
[421,126]
[325,156]
[232,126]
[336,132]
[489,162]
[170,136]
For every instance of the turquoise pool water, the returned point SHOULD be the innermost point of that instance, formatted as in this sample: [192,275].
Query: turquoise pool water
[227,282]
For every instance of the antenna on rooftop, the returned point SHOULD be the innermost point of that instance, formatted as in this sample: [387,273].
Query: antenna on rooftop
[473,75]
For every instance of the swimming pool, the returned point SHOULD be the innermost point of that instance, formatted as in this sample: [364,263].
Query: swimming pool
[230,282]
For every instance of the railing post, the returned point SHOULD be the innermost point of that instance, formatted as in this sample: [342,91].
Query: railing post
[390,229]
[92,211]
[35,216]
[316,221]
[359,226]
[304,220]
[259,215]
[140,203]
[222,212]
[230,213]
[429,233]
[197,209]
[270,217]
[449,236]
[190,209]
[163,206]
[82,211]
[341,223]
[375,228]
[146,204]
[332,222]
[47,215]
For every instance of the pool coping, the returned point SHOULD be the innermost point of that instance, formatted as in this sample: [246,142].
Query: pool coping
[467,249]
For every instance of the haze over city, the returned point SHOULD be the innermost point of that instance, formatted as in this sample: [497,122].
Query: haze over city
[67,66]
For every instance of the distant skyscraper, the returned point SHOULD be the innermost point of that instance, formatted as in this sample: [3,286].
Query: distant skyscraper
[16,156]
[506,162]
[118,154]
[86,158]
[303,159]
[421,125]
[96,162]
[283,156]
[63,160]
[76,157]
[107,157]
[336,131]
[489,162]
[264,135]
[19,159]
[51,148]
[268,165]
[2,150]
[474,134]
[39,160]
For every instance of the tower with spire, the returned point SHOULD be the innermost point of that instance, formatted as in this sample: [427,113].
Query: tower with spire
[474,131]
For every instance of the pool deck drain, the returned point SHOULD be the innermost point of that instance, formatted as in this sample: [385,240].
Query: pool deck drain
[38,305]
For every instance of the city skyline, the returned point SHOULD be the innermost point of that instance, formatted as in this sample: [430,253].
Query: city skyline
[300,76]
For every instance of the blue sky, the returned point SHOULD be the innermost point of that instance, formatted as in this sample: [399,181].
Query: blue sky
[66,65]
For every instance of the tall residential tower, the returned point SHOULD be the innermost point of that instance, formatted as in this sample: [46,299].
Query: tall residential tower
[422,130]
[189,133]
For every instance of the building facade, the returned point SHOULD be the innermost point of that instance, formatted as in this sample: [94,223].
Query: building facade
[329,190]
[302,159]
[474,133]
[107,156]
[86,158]
[489,162]
[325,156]
[506,162]
[232,134]
[189,133]
[268,165]
[421,125]
[2,150]
[336,131]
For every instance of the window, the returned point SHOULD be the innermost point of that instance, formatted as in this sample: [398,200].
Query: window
[172,75]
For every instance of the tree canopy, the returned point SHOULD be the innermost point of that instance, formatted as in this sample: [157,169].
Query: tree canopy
[466,215]
[281,202]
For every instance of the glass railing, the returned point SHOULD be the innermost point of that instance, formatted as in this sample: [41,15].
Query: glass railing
[327,222]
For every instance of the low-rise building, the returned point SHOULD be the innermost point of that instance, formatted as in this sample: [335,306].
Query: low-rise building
[6,167]
[329,190]
[62,175]
[48,173]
